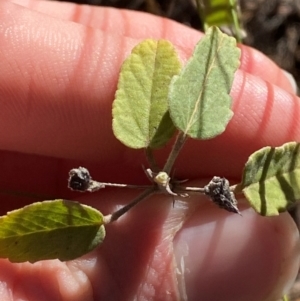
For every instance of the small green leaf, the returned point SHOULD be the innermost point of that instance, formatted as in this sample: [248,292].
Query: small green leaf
[51,229]
[140,109]
[219,12]
[271,178]
[199,97]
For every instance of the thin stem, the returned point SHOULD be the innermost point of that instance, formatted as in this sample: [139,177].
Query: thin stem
[180,140]
[115,215]
[237,188]
[233,187]
[151,160]
[234,13]
[95,186]
[189,189]
[126,185]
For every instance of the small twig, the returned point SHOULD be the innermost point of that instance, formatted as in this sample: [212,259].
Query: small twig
[234,9]
[189,189]
[115,215]
[121,185]
[180,140]
[233,187]
[237,189]
[151,160]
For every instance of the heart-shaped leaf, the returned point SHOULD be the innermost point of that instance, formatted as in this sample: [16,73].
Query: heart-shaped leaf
[51,229]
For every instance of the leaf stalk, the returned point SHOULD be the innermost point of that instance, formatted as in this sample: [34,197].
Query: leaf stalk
[180,140]
[117,214]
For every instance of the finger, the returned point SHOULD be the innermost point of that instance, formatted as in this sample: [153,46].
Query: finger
[260,254]
[55,103]
[25,179]
[139,25]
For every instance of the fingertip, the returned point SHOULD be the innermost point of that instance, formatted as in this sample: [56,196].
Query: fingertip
[258,64]
[292,81]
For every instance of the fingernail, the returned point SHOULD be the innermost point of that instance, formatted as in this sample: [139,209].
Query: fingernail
[292,81]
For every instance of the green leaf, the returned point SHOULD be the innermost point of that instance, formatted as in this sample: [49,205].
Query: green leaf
[199,97]
[222,13]
[51,229]
[219,12]
[271,178]
[140,109]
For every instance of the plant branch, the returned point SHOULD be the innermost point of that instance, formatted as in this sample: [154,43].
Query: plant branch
[115,215]
[189,189]
[235,18]
[151,160]
[180,140]
[122,185]
[237,188]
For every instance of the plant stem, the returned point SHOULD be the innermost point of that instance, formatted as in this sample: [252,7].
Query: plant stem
[235,18]
[126,185]
[237,188]
[180,140]
[95,186]
[206,8]
[190,189]
[151,160]
[115,215]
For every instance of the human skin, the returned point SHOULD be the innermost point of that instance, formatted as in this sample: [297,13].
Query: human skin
[59,67]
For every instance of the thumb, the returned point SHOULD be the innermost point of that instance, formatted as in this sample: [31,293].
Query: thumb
[224,256]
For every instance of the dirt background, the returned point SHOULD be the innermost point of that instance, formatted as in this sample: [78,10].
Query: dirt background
[271,26]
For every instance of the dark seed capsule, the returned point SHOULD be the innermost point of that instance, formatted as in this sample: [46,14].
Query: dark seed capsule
[79,179]
[218,190]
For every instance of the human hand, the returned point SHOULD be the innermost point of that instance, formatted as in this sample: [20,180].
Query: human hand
[57,83]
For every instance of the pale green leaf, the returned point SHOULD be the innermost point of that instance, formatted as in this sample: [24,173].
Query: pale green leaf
[271,178]
[199,100]
[140,108]
[51,229]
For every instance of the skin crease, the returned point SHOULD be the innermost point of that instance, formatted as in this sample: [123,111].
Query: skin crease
[59,66]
